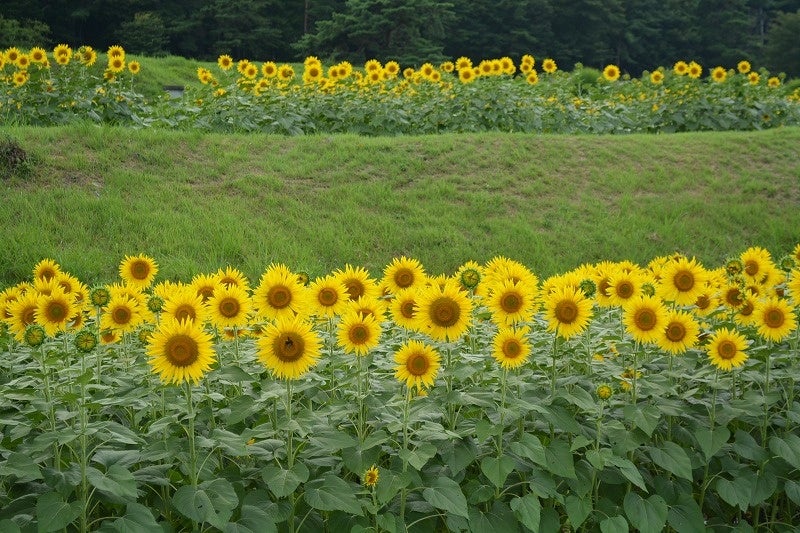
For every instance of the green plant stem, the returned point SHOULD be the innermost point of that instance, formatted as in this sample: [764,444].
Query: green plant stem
[84,420]
[712,416]
[554,367]
[765,422]
[51,411]
[190,413]
[404,490]
[290,447]
[503,380]
[360,401]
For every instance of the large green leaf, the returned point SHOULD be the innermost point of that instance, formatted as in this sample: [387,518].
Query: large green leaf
[614,524]
[212,502]
[497,469]
[137,519]
[20,466]
[578,509]
[645,418]
[498,518]
[672,458]
[54,514]
[787,448]
[629,470]
[117,482]
[686,517]
[746,446]
[331,493]
[528,510]
[419,456]
[792,489]
[738,491]
[712,441]
[283,482]
[446,494]
[646,515]
[529,447]
[559,459]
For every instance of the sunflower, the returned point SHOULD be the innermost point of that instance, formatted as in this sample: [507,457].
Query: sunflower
[180,351]
[280,294]
[756,262]
[694,70]
[417,364]
[793,285]
[358,282]
[732,295]
[511,347]
[185,304]
[116,64]
[225,62]
[110,336]
[376,307]
[682,281]
[443,312]
[719,74]
[328,296]
[269,69]
[611,73]
[46,269]
[115,51]
[122,313]
[754,78]
[403,309]
[623,286]
[138,270]
[22,313]
[403,273]
[549,66]
[645,318]
[567,311]
[204,285]
[289,348]
[134,67]
[726,349]
[775,319]
[706,302]
[85,340]
[743,67]
[745,313]
[285,73]
[680,68]
[656,77]
[511,302]
[229,307]
[680,332]
[7,296]
[358,333]
[233,276]
[463,63]
[99,296]
[371,476]
[774,82]
[466,75]
[54,311]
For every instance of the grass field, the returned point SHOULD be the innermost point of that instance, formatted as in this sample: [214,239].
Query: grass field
[90,195]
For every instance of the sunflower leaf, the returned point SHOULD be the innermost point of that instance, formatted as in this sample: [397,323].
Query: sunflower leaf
[445,494]
[331,493]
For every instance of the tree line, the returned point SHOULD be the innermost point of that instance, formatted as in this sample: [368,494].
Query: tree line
[637,35]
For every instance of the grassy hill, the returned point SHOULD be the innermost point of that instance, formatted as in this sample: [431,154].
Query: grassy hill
[89,195]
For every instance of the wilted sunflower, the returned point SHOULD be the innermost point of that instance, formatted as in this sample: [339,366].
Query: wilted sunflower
[138,270]
[680,332]
[358,333]
[645,318]
[444,313]
[229,307]
[180,351]
[567,311]
[511,347]
[726,349]
[402,273]
[417,364]
[289,348]
[775,319]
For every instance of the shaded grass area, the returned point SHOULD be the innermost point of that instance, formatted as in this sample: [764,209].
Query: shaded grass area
[197,202]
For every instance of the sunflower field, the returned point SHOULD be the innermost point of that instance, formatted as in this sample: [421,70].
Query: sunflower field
[612,397]
[41,87]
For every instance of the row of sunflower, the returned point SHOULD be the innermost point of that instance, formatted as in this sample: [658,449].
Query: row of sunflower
[670,304]
[513,397]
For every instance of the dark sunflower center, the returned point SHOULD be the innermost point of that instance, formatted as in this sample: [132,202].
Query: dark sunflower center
[355,289]
[733,297]
[121,315]
[56,312]
[751,267]
[288,347]
[445,312]
[703,302]
[512,348]
[774,318]
[404,278]
[140,270]
[566,311]
[279,296]
[603,286]
[747,309]
[205,293]
[29,316]
[184,312]
[683,281]
[417,364]
[645,319]
[327,296]
[407,309]
[229,307]
[47,274]
[181,350]
[625,289]
[675,331]
[511,302]
[727,349]
[359,334]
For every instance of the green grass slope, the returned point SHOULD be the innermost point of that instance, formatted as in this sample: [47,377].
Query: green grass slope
[196,202]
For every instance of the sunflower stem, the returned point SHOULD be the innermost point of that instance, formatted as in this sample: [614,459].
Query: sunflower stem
[83,443]
[51,412]
[765,422]
[712,416]
[553,377]
[290,446]
[404,490]
[190,434]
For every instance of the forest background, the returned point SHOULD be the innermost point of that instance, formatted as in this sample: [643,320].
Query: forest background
[637,35]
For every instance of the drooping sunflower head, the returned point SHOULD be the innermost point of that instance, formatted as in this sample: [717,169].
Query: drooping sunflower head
[138,271]
[180,351]
[417,364]
[289,348]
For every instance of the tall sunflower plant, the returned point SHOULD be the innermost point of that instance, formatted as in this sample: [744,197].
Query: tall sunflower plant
[611,396]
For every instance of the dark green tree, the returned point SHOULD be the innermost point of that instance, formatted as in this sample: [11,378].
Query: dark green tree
[26,34]
[782,49]
[726,35]
[146,34]
[588,31]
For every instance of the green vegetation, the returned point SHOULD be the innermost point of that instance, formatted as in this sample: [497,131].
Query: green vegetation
[196,202]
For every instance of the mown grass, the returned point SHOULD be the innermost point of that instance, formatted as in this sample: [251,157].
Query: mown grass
[197,202]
